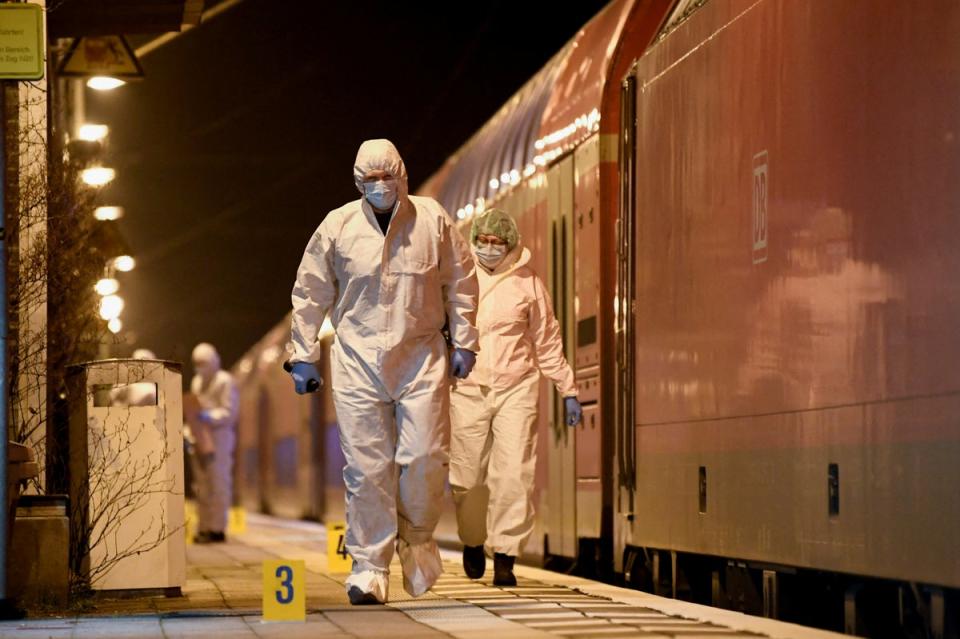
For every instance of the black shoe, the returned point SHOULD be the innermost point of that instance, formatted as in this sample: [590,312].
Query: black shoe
[474,561]
[503,570]
[361,598]
[208,537]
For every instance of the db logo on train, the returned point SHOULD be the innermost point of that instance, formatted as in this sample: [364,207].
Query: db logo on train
[760,221]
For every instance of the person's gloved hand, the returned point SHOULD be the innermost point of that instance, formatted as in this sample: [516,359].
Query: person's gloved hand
[574,411]
[461,362]
[204,416]
[302,373]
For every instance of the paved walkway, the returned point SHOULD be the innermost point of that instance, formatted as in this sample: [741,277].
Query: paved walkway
[223,599]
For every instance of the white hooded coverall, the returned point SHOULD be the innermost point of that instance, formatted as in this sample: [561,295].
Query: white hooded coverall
[213,472]
[493,446]
[388,298]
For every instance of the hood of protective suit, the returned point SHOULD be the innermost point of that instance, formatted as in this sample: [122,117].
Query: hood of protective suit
[206,360]
[381,155]
[143,353]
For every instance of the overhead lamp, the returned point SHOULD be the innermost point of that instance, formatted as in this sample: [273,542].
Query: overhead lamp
[124,263]
[106,286]
[92,132]
[98,175]
[111,306]
[104,83]
[108,213]
[115,325]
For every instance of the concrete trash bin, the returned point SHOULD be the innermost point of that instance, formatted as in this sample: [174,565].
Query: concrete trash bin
[126,475]
[39,551]
[21,467]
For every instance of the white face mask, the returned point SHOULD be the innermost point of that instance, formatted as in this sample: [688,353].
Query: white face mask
[491,254]
[381,194]
[204,369]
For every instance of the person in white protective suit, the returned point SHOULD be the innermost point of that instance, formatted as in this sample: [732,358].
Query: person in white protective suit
[391,270]
[214,429]
[493,446]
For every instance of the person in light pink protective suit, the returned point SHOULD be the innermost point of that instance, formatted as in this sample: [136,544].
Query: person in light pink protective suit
[493,448]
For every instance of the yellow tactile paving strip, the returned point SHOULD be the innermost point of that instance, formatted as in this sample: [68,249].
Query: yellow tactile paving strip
[537,609]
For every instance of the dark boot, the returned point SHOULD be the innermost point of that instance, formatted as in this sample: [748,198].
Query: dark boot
[361,598]
[474,561]
[503,570]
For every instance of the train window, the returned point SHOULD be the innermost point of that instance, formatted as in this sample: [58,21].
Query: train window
[587,331]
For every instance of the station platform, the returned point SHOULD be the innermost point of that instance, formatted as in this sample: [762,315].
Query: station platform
[223,598]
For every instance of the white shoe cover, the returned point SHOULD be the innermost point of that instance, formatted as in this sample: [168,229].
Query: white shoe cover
[374,582]
[421,566]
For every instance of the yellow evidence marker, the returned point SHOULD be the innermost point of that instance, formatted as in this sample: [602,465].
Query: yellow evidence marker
[189,520]
[338,559]
[237,520]
[284,591]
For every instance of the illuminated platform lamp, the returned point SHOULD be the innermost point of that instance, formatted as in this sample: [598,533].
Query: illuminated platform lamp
[106,286]
[108,213]
[98,175]
[124,263]
[104,83]
[115,325]
[110,307]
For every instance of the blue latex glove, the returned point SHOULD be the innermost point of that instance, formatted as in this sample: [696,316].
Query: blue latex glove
[574,411]
[204,417]
[302,373]
[461,362]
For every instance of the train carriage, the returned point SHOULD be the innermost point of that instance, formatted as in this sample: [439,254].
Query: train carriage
[744,211]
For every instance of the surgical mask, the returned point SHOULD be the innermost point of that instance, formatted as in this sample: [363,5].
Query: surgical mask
[491,254]
[381,194]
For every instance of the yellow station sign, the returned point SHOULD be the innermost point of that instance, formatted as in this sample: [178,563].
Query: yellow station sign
[22,52]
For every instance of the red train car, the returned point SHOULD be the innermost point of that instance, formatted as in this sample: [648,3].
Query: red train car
[745,214]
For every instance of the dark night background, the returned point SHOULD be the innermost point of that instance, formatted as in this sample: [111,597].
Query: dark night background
[244,132]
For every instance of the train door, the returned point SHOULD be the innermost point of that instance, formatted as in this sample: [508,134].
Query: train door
[586,345]
[561,533]
[624,331]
